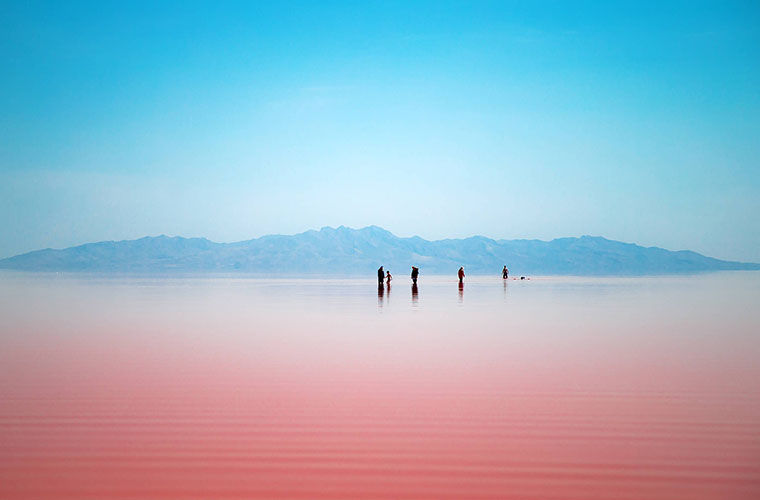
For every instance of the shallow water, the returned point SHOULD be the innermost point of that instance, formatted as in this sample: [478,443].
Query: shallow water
[249,388]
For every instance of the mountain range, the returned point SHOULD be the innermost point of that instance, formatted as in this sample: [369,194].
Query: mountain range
[347,251]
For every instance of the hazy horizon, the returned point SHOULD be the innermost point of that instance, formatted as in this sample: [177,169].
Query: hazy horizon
[358,252]
[365,227]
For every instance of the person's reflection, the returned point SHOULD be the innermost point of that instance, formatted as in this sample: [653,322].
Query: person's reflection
[380,292]
[461,291]
[415,293]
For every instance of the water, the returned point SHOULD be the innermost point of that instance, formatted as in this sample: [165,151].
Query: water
[572,388]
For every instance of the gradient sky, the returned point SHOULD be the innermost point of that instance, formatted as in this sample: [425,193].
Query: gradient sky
[630,120]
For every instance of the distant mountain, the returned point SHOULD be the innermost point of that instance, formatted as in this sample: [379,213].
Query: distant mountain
[346,251]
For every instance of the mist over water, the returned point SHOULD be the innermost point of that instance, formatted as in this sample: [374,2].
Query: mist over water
[560,387]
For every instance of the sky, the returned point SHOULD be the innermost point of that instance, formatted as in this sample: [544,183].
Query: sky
[636,121]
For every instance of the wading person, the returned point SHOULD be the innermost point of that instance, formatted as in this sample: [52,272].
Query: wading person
[380,276]
[460,274]
[505,273]
[415,273]
[388,278]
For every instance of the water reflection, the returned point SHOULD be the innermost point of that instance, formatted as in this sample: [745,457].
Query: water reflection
[461,292]
[601,388]
[380,292]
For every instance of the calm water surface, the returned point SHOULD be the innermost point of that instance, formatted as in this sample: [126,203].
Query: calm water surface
[572,388]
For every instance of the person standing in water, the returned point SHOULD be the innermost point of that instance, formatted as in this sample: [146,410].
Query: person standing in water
[505,273]
[415,273]
[460,274]
[388,278]
[380,276]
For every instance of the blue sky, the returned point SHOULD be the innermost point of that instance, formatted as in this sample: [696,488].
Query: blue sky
[631,120]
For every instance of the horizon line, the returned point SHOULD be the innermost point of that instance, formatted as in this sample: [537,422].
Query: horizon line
[371,226]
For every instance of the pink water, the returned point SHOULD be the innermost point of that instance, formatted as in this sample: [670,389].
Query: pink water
[571,388]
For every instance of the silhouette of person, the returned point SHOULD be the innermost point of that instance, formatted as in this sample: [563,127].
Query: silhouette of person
[505,273]
[388,278]
[415,273]
[460,274]
[380,276]
[415,293]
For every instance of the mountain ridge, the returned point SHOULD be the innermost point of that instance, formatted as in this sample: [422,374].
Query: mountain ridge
[347,251]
